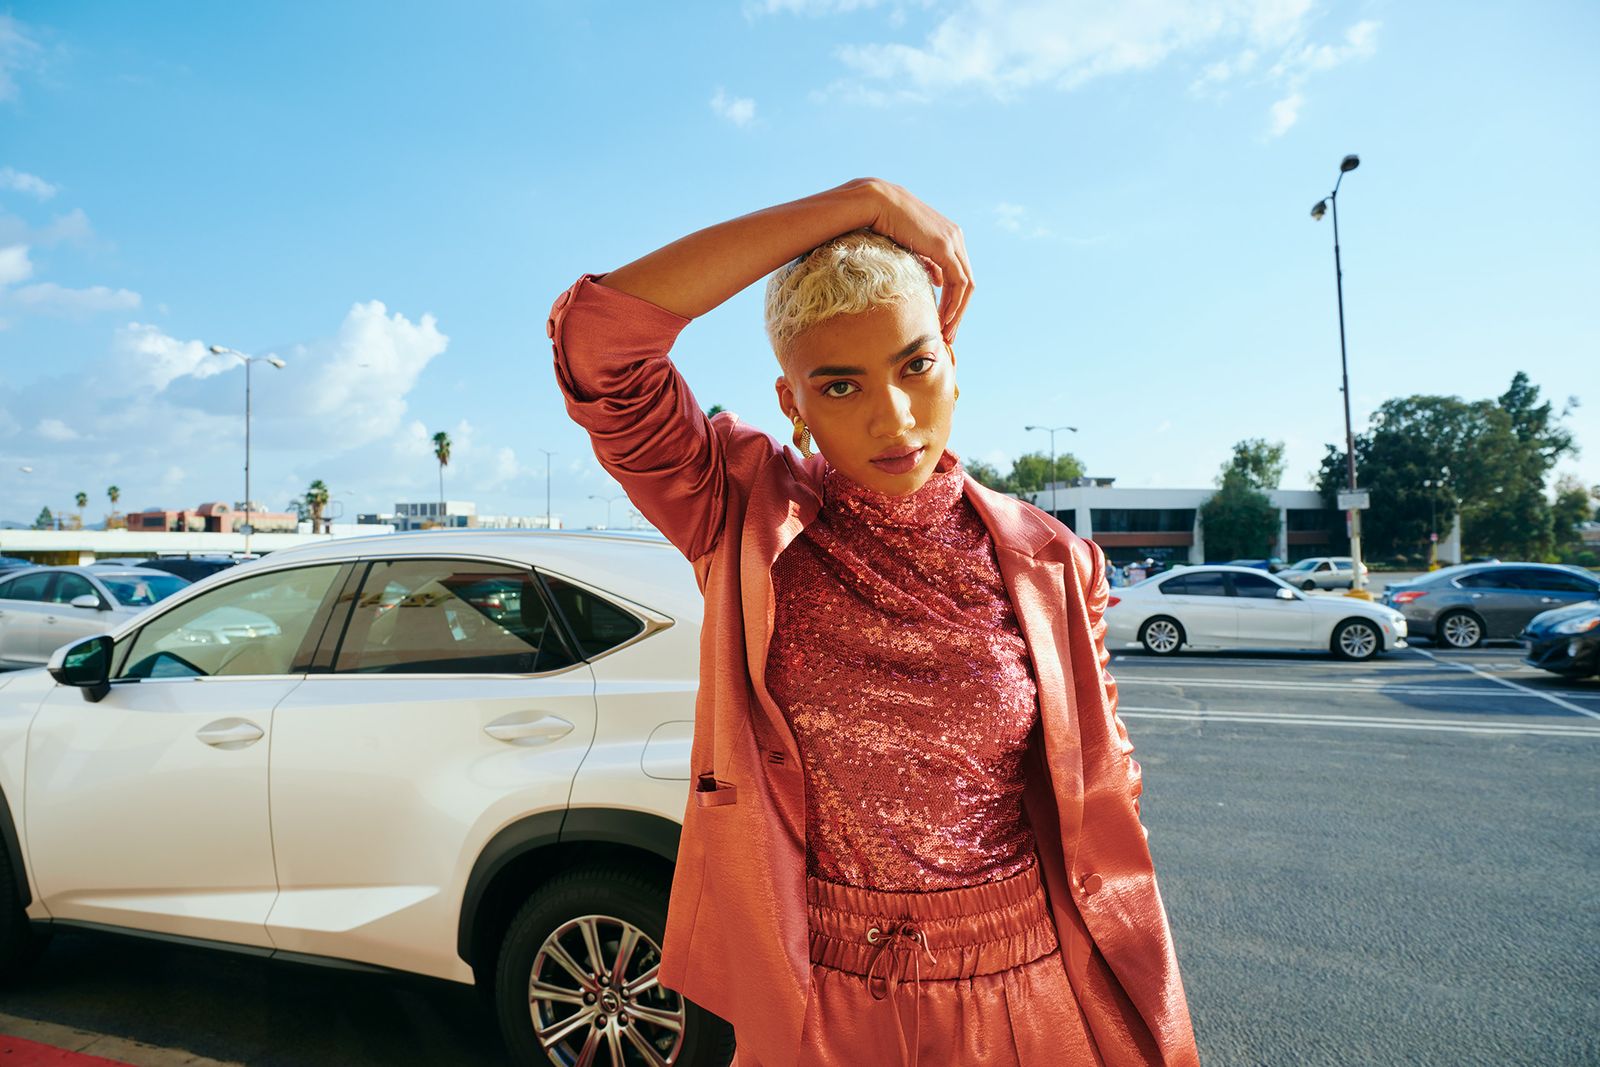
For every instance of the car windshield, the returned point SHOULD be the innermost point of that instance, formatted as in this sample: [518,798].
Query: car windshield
[141,590]
[1303,565]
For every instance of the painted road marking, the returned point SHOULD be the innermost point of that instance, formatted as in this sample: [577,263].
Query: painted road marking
[1205,715]
[1364,686]
[1557,701]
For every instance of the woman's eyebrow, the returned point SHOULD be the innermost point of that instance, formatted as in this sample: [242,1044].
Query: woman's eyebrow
[924,341]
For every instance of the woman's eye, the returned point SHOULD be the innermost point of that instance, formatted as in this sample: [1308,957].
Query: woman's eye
[837,389]
[927,365]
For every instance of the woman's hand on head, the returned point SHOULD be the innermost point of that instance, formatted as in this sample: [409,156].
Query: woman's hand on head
[933,239]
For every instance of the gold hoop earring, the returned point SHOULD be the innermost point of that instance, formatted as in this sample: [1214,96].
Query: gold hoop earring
[802,438]
[958,393]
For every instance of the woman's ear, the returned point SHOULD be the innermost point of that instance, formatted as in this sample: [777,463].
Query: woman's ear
[786,398]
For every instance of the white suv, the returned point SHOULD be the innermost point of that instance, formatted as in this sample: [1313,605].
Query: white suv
[463,755]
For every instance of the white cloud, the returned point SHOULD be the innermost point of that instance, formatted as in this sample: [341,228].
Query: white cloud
[19,182]
[15,266]
[739,110]
[56,430]
[18,52]
[1285,113]
[1013,218]
[154,360]
[52,298]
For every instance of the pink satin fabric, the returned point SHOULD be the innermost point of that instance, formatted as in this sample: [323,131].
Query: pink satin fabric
[976,980]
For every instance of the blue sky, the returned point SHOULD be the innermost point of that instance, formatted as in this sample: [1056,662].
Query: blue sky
[389,195]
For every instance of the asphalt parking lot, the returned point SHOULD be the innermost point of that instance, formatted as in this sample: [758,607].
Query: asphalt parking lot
[1383,863]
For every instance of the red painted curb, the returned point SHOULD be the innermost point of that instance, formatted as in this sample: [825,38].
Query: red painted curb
[17,1052]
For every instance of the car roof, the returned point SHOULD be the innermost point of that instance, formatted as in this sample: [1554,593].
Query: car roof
[640,567]
[1192,567]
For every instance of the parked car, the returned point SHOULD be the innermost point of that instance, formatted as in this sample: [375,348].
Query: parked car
[193,568]
[1217,606]
[1565,640]
[43,608]
[1322,572]
[401,772]
[1272,565]
[1465,605]
[12,563]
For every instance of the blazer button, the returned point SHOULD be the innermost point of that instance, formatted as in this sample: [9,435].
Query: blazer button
[1092,884]
[550,328]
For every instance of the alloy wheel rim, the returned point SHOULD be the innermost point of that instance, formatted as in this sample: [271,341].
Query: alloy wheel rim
[1163,636]
[595,996]
[1461,631]
[1358,641]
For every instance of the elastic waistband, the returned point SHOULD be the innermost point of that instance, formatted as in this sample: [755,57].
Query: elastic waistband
[975,930]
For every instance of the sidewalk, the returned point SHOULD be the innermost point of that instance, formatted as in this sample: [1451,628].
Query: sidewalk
[26,1043]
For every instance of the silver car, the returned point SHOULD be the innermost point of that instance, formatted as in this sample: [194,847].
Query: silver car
[1322,572]
[43,608]
[1463,606]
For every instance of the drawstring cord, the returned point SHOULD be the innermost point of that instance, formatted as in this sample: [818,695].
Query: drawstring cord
[898,943]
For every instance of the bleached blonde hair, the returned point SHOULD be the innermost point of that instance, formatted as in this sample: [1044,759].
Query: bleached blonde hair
[848,274]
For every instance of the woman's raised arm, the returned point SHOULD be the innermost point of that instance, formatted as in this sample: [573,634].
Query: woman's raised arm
[696,273]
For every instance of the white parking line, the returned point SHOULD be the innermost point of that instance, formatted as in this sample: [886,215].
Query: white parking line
[1557,701]
[1364,686]
[1360,722]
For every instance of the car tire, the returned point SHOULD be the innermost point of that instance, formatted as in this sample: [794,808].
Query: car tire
[1161,636]
[20,941]
[1357,639]
[1307,586]
[1459,629]
[569,920]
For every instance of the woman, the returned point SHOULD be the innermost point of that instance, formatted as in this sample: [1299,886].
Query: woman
[914,834]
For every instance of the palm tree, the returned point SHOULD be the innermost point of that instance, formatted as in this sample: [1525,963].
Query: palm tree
[82,500]
[441,452]
[317,500]
[115,495]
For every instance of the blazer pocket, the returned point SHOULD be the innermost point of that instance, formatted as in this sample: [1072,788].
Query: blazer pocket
[710,792]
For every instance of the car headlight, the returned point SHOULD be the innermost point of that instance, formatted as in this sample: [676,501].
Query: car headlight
[1580,625]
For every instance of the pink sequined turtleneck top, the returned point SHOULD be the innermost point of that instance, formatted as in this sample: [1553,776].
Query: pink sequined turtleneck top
[897,658]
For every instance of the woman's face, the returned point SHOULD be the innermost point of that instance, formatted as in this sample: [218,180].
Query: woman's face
[876,389]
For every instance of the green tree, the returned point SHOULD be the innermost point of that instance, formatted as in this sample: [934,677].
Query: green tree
[441,452]
[1259,462]
[82,500]
[45,520]
[317,503]
[1030,472]
[1238,520]
[714,410]
[987,474]
[113,494]
[1570,509]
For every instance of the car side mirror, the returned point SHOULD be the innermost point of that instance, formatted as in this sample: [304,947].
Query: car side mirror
[1286,594]
[85,664]
[87,600]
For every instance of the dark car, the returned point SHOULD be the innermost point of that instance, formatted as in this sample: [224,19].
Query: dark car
[1565,641]
[193,568]
[1463,606]
[1271,566]
[12,563]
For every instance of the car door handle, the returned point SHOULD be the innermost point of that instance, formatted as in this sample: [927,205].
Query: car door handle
[1549,600]
[517,727]
[1477,596]
[235,733]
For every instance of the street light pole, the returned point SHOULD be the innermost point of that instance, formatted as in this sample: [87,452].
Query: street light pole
[608,500]
[223,350]
[1051,430]
[547,454]
[1346,165]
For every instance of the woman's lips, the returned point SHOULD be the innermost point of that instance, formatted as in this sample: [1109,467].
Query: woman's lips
[900,464]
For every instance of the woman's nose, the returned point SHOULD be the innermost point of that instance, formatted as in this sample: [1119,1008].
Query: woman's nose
[891,415]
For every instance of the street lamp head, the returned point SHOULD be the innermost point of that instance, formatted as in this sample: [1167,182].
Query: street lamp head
[1319,210]
[220,350]
[1030,427]
[1349,163]
[276,362]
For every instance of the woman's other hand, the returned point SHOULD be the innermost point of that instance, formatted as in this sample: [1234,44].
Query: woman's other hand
[933,239]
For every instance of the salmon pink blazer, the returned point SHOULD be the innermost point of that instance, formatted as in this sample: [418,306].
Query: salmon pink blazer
[731,499]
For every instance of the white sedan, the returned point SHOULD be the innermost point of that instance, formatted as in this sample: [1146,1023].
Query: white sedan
[1215,607]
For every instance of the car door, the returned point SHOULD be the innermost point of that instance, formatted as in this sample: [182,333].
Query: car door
[451,705]
[148,808]
[1266,621]
[62,623]
[1552,588]
[1200,602]
[22,607]
[1501,598]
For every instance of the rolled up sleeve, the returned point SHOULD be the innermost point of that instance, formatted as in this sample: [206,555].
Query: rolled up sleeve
[648,432]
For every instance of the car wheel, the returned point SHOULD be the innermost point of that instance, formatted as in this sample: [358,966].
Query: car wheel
[1356,639]
[1307,586]
[1460,629]
[1161,636]
[577,979]
[20,941]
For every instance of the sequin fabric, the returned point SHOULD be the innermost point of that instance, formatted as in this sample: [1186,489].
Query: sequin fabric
[897,658]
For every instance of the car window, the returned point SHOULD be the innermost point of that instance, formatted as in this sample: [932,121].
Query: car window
[1204,583]
[597,624]
[142,590]
[1254,585]
[1324,566]
[1554,581]
[69,585]
[26,586]
[258,625]
[450,617]
[1499,578]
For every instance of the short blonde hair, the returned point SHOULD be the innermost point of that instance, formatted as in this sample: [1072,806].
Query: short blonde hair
[848,274]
